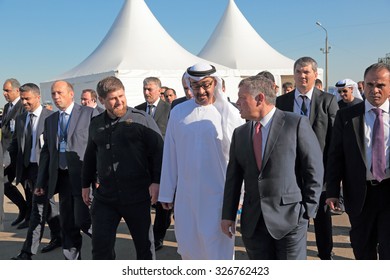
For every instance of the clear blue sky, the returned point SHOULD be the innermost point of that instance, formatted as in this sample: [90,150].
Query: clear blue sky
[41,39]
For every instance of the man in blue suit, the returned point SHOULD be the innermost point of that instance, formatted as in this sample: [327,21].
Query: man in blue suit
[276,155]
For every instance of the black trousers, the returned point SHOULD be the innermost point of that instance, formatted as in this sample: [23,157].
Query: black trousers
[262,246]
[323,229]
[74,214]
[42,211]
[162,222]
[370,230]
[105,221]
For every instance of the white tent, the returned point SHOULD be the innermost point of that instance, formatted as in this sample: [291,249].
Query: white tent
[126,52]
[236,44]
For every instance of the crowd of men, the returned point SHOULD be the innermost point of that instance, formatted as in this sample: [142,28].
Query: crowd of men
[278,160]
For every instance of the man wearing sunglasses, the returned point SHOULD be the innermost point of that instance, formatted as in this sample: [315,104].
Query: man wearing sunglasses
[349,93]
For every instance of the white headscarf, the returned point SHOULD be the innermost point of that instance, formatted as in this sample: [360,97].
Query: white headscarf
[229,114]
[349,83]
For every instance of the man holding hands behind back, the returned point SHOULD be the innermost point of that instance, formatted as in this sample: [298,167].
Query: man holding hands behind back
[277,155]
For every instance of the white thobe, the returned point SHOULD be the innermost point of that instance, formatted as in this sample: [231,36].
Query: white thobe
[193,176]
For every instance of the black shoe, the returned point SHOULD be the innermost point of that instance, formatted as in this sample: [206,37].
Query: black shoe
[22,256]
[19,219]
[23,225]
[158,244]
[54,243]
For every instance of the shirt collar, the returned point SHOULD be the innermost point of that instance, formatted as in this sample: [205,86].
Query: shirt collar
[68,110]
[384,106]
[309,94]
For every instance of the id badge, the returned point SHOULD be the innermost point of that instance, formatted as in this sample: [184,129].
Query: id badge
[62,147]
[12,125]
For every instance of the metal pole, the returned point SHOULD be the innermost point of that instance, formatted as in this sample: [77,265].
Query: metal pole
[326,51]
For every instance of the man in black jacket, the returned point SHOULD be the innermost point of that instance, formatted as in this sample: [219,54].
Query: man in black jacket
[125,151]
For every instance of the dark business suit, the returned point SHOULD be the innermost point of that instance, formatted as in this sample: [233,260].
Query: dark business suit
[7,129]
[281,197]
[40,206]
[366,202]
[74,214]
[161,114]
[1,191]
[162,220]
[323,108]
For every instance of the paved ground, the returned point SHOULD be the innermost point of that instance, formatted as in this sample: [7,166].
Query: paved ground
[11,240]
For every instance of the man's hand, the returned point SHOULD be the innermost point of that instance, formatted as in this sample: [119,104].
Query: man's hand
[153,192]
[39,191]
[166,205]
[228,227]
[333,203]
[86,198]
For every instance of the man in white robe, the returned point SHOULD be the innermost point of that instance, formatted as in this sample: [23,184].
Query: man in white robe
[196,154]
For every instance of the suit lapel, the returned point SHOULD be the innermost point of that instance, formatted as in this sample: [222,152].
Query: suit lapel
[358,127]
[314,105]
[73,119]
[274,132]
[22,126]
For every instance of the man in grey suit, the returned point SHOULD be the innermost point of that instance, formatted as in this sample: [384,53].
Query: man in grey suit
[25,149]
[359,157]
[320,107]
[276,155]
[159,110]
[11,110]
[65,139]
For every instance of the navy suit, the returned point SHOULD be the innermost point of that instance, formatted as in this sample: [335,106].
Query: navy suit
[281,197]
[323,109]
[74,214]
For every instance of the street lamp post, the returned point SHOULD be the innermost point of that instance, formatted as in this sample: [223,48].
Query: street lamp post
[325,51]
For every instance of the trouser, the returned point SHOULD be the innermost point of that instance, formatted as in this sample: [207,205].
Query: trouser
[105,221]
[370,230]
[74,216]
[42,210]
[162,221]
[16,197]
[262,246]
[323,229]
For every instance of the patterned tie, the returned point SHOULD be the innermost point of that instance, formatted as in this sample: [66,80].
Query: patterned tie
[28,141]
[150,110]
[378,166]
[257,144]
[303,107]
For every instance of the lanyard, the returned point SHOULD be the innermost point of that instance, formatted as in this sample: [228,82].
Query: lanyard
[63,134]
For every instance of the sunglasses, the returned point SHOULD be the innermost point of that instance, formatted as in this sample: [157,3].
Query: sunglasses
[342,91]
[205,86]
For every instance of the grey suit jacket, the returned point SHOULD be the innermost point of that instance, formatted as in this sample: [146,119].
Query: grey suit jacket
[18,139]
[76,144]
[161,114]
[347,159]
[287,188]
[6,137]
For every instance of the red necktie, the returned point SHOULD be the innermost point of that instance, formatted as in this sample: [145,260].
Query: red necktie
[257,144]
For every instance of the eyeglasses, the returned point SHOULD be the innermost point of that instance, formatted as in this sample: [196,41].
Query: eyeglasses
[342,91]
[205,86]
